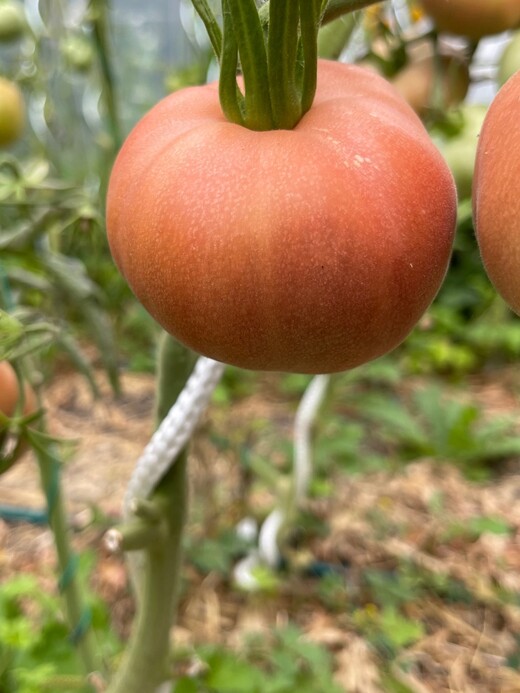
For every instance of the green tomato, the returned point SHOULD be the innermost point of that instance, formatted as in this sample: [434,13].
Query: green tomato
[460,150]
[12,21]
[510,60]
[12,112]
[77,52]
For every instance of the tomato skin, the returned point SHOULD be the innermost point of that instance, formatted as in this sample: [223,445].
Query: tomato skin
[473,18]
[496,192]
[310,250]
[9,392]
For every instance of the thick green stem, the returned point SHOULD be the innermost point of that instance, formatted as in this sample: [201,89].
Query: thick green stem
[160,520]
[144,666]
[174,365]
[76,611]
[231,99]
[309,22]
[283,23]
[250,40]
[337,8]
[333,37]
[333,10]
[211,24]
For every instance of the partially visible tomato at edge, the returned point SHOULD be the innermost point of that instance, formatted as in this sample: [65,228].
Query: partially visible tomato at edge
[309,250]
[474,18]
[496,192]
[10,392]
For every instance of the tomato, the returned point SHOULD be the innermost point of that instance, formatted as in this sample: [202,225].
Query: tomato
[78,52]
[510,59]
[12,112]
[460,150]
[473,18]
[496,192]
[309,250]
[10,392]
[12,21]
[419,80]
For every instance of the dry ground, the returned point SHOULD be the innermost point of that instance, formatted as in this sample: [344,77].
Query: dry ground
[374,521]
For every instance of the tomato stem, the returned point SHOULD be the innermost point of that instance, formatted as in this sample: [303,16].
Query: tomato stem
[157,528]
[231,98]
[310,22]
[253,58]
[285,97]
[212,26]
[276,48]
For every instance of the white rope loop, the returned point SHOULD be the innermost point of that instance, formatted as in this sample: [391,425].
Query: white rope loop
[174,432]
[306,413]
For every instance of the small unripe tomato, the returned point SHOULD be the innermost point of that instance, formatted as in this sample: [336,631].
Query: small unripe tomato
[12,112]
[310,250]
[496,192]
[77,52]
[419,81]
[510,60]
[12,21]
[473,18]
[10,392]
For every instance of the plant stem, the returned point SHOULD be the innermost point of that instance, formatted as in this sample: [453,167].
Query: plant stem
[99,22]
[82,634]
[144,665]
[333,10]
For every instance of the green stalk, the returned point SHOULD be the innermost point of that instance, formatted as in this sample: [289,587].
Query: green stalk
[283,31]
[337,8]
[144,665]
[174,365]
[99,21]
[309,20]
[157,530]
[333,37]
[76,612]
[231,99]
[250,40]
[212,27]
[333,9]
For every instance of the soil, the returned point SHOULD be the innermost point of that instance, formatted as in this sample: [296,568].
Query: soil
[375,522]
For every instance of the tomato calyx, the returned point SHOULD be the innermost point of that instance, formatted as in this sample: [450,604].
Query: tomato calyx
[276,48]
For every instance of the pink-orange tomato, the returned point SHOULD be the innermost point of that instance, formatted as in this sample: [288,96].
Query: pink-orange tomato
[496,192]
[10,392]
[309,250]
[474,18]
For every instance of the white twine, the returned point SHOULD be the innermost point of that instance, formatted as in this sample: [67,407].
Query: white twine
[268,549]
[174,432]
[303,422]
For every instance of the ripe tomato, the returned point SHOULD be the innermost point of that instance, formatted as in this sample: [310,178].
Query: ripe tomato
[308,250]
[473,18]
[10,393]
[419,80]
[496,192]
[12,112]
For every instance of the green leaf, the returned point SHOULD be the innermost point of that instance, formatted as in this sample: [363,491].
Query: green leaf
[399,630]
[186,685]
[229,674]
